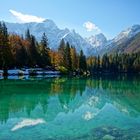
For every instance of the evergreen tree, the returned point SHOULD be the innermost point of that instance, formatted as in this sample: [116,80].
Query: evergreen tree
[136,64]
[44,51]
[68,57]
[82,62]
[6,58]
[28,35]
[98,63]
[21,57]
[105,63]
[74,58]
[61,51]
[44,41]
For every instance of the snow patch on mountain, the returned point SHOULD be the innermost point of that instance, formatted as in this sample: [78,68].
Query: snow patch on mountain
[123,37]
[93,45]
[128,33]
[97,40]
[54,34]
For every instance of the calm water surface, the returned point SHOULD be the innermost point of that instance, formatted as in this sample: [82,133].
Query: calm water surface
[70,108]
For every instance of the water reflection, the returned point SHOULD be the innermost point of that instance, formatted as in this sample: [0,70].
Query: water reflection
[66,105]
[17,95]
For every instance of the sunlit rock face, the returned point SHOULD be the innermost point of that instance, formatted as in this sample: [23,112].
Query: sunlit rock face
[54,34]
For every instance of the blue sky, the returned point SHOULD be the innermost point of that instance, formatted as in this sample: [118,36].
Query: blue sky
[87,17]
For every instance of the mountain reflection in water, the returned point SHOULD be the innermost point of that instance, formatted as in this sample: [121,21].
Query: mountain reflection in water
[70,108]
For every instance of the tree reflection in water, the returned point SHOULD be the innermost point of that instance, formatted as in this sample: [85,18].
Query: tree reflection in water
[51,98]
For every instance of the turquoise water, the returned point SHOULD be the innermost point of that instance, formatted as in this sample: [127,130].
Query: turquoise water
[70,108]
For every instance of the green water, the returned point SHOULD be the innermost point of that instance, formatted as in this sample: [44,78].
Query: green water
[70,108]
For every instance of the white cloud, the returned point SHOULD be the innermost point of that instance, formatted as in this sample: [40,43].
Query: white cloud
[27,123]
[91,27]
[26,18]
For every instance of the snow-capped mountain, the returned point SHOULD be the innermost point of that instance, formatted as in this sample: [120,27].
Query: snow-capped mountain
[54,34]
[98,40]
[128,33]
[93,45]
[124,38]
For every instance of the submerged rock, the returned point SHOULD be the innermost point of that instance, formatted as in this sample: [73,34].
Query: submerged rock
[108,137]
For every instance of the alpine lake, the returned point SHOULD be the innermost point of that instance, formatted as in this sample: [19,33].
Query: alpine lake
[63,108]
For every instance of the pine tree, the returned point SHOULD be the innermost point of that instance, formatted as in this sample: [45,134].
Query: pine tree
[6,58]
[21,57]
[61,51]
[82,62]
[98,64]
[74,58]
[68,57]
[105,62]
[45,51]
[28,35]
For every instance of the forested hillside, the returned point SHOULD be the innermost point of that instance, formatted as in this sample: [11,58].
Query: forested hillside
[130,46]
[25,51]
[18,51]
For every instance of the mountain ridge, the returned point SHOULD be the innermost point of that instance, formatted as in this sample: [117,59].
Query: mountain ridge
[54,34]
[94,45]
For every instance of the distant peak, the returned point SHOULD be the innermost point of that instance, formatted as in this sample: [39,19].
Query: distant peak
[45,20]
[132,28]
[136,26]
[66,29]
[48,20]
[100,35]
[73,31]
